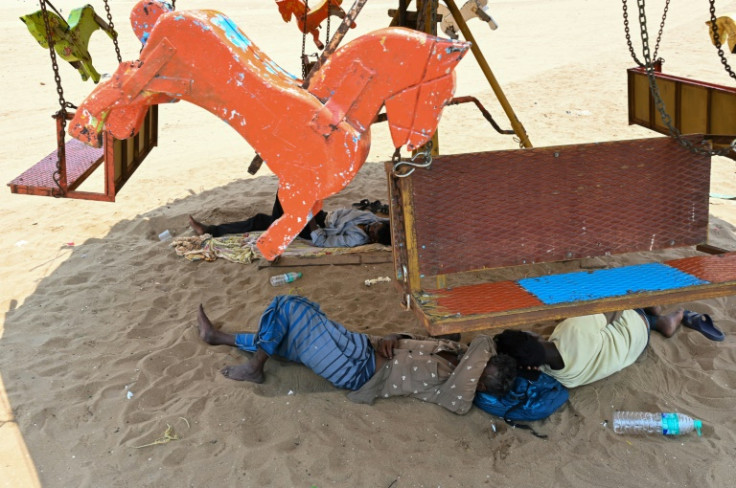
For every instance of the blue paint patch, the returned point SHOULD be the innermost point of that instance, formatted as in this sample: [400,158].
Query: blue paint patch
[279,69]
[231,31]
[179,17]
[144,37]
[201,24]
[605,283]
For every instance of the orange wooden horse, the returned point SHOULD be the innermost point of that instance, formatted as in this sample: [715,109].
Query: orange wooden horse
[314,17]
[315,140]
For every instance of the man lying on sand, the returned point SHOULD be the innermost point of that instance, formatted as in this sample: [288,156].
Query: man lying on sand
[344,227]
[433,370]
[582,350]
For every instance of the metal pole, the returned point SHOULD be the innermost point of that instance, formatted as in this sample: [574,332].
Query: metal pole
[515,123]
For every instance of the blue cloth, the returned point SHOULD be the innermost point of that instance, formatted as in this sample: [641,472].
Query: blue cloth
[527,400]
[296,329]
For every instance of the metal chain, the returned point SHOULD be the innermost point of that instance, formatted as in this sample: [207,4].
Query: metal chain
[304,41]
[61,146]
[717,40]
[114,32]
[173,4]
[659,103]
[628,33]
[327,34]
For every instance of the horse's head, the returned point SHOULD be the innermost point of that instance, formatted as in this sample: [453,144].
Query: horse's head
[413,114]
[36,26]
[144,16]
[108,108]
[287,8]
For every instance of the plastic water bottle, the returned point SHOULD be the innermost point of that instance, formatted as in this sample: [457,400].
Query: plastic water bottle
[654,423]
[285,278]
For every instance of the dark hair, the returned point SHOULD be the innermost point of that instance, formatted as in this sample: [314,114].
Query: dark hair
[522,346]
[501,382]
[384,234]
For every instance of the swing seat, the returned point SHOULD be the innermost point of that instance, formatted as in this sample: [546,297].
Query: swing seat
[81,161]
[695,107]
[121,157]
[508,238]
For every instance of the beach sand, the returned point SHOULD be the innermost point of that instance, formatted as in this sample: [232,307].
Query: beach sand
[99,350]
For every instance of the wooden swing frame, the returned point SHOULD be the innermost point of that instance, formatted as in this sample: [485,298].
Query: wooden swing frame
[64,170]
[430,266]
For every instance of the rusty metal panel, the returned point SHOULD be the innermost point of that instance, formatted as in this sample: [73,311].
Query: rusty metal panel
[81,160]
[718,269]
[505,208]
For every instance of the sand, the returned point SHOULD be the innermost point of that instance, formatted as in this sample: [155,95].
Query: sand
[98,346]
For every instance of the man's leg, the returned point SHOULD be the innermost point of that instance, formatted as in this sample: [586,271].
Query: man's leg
[251,370]
[258,222]
[664,324]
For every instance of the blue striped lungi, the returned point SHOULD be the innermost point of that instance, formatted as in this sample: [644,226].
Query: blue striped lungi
[296,329]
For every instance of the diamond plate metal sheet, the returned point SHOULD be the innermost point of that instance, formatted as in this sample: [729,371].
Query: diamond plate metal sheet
[505,208]
[605,283]
[484,298]
[715,269]
[79,158]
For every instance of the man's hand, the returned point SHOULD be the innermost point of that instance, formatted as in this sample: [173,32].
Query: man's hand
[387,344]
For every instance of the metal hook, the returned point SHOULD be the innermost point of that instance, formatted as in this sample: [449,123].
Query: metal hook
[426,154]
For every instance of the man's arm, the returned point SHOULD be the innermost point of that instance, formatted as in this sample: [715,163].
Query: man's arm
[457,393]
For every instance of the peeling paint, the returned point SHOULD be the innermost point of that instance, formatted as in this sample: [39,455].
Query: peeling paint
[314,140]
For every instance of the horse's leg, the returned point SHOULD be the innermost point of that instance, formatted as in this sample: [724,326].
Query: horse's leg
[298,209]
[315,35]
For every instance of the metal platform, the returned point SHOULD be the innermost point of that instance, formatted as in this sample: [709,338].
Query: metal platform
[487,220]
[121,157]
[81,161]
[511,303]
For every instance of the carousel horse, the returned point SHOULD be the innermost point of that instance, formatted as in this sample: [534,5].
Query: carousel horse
[71,39]
[314,16]
[726,32]
[472,8]
[315,140]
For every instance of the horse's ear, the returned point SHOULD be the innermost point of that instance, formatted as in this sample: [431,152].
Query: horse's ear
[400,114]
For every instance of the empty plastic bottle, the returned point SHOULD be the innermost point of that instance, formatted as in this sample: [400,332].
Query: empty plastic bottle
[285,278]
[654,423]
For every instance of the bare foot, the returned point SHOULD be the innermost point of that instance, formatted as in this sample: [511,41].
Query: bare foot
[209,334]
[668,324]
[243,372]
[206,329]
[197,227]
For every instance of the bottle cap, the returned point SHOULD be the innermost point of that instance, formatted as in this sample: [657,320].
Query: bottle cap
[698,426]
[298,274]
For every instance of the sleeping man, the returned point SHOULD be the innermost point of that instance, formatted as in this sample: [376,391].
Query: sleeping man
[438,371]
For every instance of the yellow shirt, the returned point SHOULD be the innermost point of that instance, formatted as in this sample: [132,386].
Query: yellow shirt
[593,349]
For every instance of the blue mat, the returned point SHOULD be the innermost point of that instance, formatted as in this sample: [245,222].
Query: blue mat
[605,283]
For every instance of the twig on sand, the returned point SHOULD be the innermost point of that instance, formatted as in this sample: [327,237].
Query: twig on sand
[169,435]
